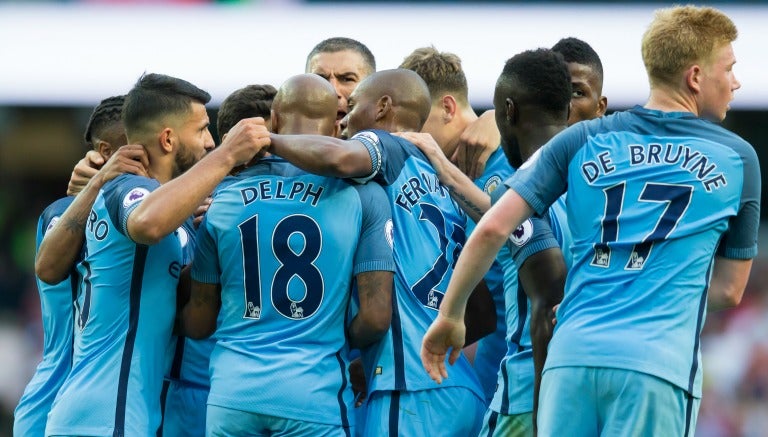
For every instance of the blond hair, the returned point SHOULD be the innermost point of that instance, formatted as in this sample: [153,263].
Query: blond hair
[682,36]
[441,71]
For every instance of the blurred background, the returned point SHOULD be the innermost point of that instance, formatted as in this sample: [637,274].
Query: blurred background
[59,58]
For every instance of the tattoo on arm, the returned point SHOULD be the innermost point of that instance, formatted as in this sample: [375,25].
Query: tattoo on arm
[465,202]
[75,224]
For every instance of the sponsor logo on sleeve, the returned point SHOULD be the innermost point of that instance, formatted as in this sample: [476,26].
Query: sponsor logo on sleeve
[183,236]
[133,196]
[52,223]
[389,233]
[522,234]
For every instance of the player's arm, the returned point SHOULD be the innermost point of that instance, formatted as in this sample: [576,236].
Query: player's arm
[372,321]
[166,208]
[542,277]
[480,316]
[199,315]
[729,279]
[326,156]
[477,143]
[62,244]
[447,332]
[470,198]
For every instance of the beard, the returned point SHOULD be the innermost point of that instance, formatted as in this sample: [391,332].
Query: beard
[184,160]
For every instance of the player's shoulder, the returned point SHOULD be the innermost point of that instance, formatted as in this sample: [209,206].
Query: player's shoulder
[128,189]
[497,170]
[128,182]
[371,193]
[53,212]
[58,206]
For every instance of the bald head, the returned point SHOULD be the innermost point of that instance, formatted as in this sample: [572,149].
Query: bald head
[400,98]
[305,104]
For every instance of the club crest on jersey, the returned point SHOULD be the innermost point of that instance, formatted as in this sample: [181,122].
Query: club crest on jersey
[389,233]
[491,184]
[52,223]
[133,196]
[522,234]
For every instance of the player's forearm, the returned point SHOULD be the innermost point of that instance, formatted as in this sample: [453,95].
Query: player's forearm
[198,319]
[541,334]
[166,208]
[372,321]
[470,198]
[61,246]
[728,282]
[326,156]
[363,333]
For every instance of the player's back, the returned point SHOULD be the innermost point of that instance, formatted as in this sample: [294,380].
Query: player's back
[284,246]
[429,232]
[56,304]
[125,315]
[666,185]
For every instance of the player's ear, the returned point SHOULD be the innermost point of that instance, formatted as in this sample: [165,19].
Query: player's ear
[511,111]
[167,140]
[383,107]
[693,76]
[274,121]
[449,105]
[105,149]
[602,106]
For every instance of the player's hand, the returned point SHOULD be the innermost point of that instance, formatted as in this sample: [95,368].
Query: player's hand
[248,139]
[427,145]
[85,169]
[476,144]
[200,211]
[443,335]
[131,158]
[357,379]
[423,141]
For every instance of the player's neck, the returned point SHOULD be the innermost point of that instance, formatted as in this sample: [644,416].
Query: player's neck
[459,123]
[160,171]
[670,100]
[533,136]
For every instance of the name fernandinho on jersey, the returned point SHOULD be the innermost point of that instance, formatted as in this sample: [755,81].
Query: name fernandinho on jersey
[277,190]
[682,155]
[417,187]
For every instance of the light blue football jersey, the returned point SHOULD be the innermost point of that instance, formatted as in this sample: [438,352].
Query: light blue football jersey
[516,374]
[284,245]
[503,273]
[126,309]
[188,372]
[56,305]
[558,220]
[670,190]
[429,232]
